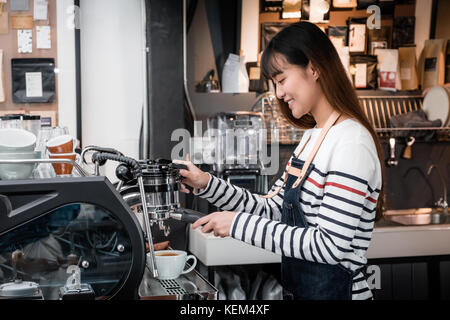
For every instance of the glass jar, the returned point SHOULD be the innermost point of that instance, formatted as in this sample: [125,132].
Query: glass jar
[31,123]
[11,121]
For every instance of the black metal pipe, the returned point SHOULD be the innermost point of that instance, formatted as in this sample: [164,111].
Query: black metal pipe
[78,71]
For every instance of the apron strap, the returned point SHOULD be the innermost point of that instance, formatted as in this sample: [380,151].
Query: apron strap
[330,122]
[300,173]
[273,194]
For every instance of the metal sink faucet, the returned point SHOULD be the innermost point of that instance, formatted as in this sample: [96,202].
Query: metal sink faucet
[442,202]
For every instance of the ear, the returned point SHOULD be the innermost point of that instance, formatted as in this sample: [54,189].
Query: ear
[313,71]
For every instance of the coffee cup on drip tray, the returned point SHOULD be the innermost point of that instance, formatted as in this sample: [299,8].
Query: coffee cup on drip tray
[171,263]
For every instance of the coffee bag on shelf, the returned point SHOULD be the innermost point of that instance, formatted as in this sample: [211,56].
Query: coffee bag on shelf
[388,69]
[408,70]
[379,38]
[363,70]
[357,35]
[432,63]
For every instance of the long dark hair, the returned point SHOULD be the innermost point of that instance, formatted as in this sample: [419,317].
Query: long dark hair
[304,42]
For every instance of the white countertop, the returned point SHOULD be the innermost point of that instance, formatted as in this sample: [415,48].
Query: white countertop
[409,241]
[388,241]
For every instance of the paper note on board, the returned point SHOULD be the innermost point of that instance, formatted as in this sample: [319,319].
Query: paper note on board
[33,83]
[40,10]
[43,39]
[24,41]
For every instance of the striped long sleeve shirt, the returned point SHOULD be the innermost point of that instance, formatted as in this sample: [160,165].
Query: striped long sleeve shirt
[338,199]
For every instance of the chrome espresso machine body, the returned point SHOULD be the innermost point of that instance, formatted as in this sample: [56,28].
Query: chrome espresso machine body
[85,238]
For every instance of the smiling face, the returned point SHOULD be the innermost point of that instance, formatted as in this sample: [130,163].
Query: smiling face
[297,86]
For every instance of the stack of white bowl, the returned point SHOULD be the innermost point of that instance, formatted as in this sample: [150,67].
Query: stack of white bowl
[17,144]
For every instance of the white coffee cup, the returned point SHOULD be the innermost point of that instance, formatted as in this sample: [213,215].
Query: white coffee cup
[171,263]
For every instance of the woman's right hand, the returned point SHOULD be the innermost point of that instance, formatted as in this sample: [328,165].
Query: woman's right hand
[193,176]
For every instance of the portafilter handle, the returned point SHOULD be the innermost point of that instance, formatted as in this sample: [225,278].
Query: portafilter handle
[186,215]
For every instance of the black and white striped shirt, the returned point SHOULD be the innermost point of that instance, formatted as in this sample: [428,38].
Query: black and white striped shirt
[338,198]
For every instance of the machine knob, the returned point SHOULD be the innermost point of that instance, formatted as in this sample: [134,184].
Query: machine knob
[85,264]
[124,173]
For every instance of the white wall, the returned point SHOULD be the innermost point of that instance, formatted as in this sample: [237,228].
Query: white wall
[66,65]
[113,74]
[249,29]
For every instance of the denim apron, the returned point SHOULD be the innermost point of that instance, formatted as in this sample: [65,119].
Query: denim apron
[305,280]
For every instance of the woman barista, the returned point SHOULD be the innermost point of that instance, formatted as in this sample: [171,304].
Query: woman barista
[320,214]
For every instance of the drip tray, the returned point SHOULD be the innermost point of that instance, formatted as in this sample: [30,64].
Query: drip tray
[189,286]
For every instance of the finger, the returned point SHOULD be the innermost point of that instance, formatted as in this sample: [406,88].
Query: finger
[180,161]
[184,173]
[207,228]
[188,164]
[201,221]
[187,157]
[184,189]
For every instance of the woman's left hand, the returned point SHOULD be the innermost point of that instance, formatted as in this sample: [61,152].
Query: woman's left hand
[219,222]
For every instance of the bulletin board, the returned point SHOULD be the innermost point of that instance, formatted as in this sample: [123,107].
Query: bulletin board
[9,45]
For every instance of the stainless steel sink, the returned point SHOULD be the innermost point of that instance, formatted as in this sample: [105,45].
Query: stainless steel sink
[419,216]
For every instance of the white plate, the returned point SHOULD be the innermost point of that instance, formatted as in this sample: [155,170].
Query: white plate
[436,104]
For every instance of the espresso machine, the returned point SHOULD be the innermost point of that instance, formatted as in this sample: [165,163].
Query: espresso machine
[82,237]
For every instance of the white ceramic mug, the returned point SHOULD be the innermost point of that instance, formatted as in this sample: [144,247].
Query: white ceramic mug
[16,141]
[171,263]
